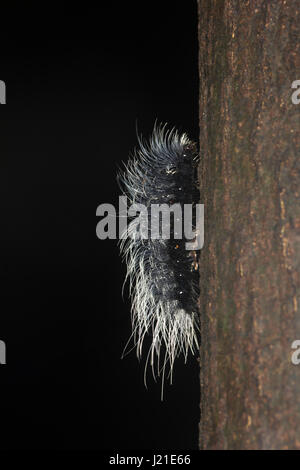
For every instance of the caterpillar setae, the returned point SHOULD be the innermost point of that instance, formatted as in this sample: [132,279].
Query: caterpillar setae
[162,273]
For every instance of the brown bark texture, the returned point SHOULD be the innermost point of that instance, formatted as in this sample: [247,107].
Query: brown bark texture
[249,55]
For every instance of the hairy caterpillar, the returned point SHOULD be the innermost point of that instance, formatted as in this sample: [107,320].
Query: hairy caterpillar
[163,275]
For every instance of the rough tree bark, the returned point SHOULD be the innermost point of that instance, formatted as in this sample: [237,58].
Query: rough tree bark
[250,183]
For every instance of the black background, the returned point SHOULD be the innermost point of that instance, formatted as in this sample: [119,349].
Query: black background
[78,78]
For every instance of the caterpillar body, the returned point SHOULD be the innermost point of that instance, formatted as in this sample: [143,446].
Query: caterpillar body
[162,273]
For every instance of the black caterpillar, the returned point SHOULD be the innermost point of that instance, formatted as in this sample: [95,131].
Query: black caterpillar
[163,274]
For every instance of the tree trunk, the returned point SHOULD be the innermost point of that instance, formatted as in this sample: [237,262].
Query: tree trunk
[250,183]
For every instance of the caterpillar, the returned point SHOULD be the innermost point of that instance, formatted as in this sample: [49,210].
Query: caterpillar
[162,273]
